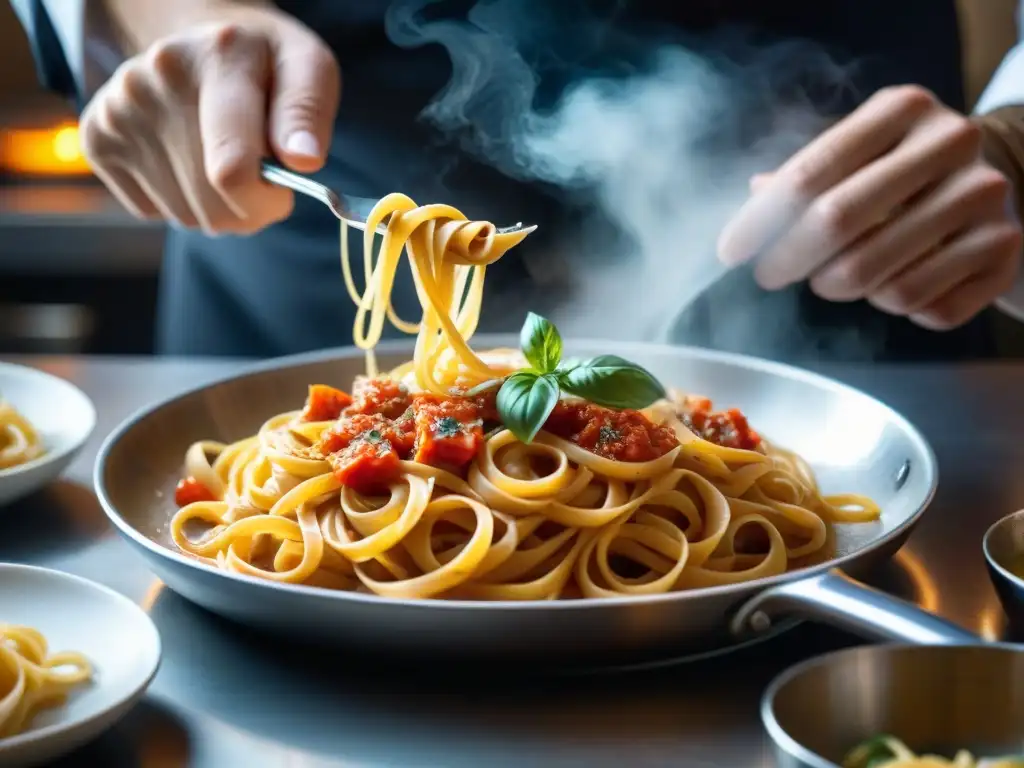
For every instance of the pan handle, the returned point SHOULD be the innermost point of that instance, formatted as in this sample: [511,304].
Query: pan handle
[837,599]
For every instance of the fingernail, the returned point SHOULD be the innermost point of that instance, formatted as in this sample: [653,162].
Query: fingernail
[303,143]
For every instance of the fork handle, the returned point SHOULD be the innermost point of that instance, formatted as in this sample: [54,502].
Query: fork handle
[275,174]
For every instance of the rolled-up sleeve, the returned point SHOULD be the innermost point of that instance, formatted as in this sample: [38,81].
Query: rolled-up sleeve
[1006,88]
[1000,114]
[72,43]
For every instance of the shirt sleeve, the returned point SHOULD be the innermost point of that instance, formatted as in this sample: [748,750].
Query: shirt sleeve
[1000,114]
[73,45]
[1006,88]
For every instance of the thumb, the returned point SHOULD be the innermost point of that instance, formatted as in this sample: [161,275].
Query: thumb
[303,102]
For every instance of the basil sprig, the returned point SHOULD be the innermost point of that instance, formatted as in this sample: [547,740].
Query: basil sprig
[527,398]
[870,754]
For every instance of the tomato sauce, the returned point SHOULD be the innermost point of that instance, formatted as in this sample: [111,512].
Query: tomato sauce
[728,428]
[383,396]
[367,464]
[398,433]
[449,431]
[365,445]
[620,435]
[324,403]
[190,490]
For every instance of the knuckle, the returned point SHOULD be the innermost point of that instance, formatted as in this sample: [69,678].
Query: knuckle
[302,106]
[131,81]
[988,184]
[169,62]
[228,40]
[962,135]
[133,86]
[225,37]
[1008,240]
[230,167]
[803,179]
[834,217]
[910,99]
[845,278]
[114,119]
[896,298]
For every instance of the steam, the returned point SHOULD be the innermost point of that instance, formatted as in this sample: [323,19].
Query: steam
[661,149]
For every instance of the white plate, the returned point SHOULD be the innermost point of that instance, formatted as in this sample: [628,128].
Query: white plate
[116,635]
[60,412]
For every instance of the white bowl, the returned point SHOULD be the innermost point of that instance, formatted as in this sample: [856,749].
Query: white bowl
[116,635]
[60,412]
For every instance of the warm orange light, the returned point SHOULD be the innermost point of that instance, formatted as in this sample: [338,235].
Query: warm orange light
[42,151]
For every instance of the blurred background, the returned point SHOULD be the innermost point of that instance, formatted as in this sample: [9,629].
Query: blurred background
[79,275]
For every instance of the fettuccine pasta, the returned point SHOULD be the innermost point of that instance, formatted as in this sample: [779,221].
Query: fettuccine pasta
[19,441]
[504,475]
[32,678]
[889,752]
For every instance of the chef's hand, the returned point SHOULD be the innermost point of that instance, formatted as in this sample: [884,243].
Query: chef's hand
[179,130]
[893,204]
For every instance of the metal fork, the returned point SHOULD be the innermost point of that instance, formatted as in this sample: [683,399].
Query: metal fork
[352,210]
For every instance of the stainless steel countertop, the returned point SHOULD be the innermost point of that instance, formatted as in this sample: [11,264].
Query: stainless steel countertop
[225,697]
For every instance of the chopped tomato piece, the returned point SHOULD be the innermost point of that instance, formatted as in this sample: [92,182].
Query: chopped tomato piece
[621,435]
[381,396]
[398,433]
[696,403]
[190,490]
[728,429]
[449,431]
[367,464]
[325,403]
[487,403]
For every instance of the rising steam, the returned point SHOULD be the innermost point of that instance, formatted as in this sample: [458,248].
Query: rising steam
[661,146]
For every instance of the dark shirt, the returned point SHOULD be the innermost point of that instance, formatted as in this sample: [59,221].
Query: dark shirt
[281,291]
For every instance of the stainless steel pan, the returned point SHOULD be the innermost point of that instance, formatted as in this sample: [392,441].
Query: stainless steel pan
[936,699]
[855,442]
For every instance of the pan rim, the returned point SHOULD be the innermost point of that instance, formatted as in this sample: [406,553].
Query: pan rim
[738,590]
[780,736]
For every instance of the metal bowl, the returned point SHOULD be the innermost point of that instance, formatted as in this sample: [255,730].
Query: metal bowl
[1003,546]
[934,698]
[854,442]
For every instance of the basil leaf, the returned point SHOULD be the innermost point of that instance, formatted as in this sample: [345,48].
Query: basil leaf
[869,754]
[610,381]
[568,364]
[448,426]
[541,343]
[525,401]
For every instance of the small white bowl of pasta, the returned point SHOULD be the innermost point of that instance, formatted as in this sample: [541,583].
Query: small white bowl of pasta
[44,423]
[75,656]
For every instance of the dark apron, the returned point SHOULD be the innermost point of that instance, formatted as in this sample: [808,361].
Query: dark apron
[281,292]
